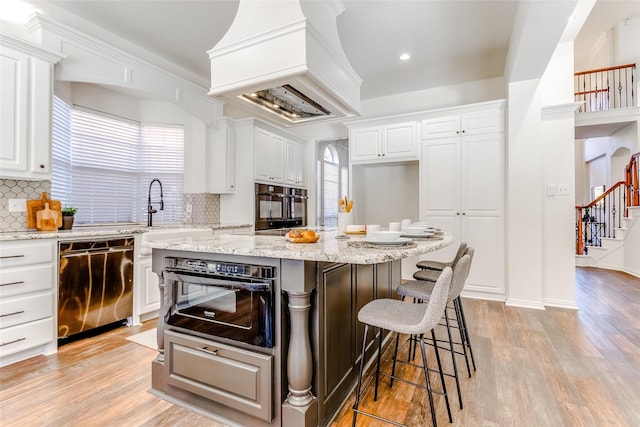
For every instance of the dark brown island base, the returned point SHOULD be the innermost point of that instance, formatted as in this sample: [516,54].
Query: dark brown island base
[258,331]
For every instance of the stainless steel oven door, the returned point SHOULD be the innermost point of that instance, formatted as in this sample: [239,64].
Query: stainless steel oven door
[296,207]
[239,309]
[270,207]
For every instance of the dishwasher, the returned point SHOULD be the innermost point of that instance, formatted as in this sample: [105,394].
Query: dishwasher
[95,285]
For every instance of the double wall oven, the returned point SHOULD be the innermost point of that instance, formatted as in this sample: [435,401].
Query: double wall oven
[280,207]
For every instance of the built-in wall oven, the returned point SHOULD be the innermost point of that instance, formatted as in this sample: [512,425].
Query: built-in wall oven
[280,207]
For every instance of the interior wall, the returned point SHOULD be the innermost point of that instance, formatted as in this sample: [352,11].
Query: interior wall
[582,174]
[385,193]
[598,174]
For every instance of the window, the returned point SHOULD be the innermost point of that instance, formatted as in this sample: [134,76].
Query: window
[332,180]
[102,165]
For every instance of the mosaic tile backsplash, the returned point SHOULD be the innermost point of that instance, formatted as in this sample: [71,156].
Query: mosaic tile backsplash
[18,189]
[205,208]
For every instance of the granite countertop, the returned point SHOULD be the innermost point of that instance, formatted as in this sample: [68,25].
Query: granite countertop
[327,249]
[109,230]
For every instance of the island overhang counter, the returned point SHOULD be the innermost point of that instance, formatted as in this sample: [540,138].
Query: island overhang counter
[304,376]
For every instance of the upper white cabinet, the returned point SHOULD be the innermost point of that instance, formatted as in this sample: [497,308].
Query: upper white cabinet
[222,174]
[389,142]
[279,160]
[26,84]
[473,123]
[295,164]
[269,156]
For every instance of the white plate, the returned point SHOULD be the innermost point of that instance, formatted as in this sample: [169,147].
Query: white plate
[398,241]
[423,234]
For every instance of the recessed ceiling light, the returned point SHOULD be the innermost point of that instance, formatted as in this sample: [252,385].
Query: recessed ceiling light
[404,56]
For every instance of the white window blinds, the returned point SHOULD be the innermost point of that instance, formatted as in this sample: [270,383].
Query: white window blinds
[332,180]
[102,165]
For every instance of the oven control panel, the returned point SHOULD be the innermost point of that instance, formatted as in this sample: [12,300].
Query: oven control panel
[221,268]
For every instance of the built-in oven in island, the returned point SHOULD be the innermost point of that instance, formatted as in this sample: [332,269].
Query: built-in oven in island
[220,338]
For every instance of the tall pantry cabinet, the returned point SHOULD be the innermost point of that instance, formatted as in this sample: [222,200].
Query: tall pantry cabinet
[462,185]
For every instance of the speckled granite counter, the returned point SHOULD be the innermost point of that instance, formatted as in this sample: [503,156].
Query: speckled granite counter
[327,249]
[108,230]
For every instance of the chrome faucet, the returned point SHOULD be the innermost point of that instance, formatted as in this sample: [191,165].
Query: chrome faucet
[150,210]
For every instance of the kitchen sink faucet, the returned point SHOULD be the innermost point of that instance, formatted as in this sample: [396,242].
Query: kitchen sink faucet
[150,210]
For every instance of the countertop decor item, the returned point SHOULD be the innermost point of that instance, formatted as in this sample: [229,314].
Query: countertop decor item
[46,219]
[68,218]
[33,206]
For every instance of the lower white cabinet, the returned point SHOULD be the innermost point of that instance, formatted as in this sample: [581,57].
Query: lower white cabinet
[27,299]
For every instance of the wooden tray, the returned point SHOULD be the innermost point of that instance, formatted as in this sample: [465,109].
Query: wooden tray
[33,206]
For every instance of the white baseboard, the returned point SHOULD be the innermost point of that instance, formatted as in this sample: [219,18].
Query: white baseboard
[482,295]
[559,303]
[523,303]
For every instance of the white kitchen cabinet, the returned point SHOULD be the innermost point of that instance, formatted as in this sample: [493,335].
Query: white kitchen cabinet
[472,123]
[462,191]
[26,84]
[221,174]
[269,157]
[27,299]
[295,164]
[389,142]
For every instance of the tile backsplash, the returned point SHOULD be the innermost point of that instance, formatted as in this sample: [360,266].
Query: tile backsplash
[205,207]
[18,189]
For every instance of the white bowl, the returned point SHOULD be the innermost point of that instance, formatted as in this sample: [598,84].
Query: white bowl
[386,236]
[421,224]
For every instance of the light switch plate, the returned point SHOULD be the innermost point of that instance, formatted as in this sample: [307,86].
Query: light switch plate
[17,205]
[552,190]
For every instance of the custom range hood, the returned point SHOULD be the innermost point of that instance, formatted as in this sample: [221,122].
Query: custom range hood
[282,60]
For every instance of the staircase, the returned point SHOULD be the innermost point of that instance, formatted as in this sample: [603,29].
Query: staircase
[608,228]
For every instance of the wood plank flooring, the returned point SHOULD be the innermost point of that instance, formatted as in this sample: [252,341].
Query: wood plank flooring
[555,367]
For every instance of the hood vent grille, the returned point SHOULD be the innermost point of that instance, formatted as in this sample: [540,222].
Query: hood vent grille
[287,102]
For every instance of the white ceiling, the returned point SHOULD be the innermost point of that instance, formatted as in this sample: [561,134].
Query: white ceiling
[451,41]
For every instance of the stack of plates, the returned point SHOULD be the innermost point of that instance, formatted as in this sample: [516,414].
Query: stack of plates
[415,230]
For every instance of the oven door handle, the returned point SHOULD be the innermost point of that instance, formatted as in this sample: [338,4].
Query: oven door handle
[204,279]
[206,350]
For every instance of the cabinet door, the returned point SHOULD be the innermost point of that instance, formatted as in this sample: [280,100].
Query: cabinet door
[482,209]
[365,144]
[301,165]
[230,161]
[149,293]
[14,112]
[399,140]
[440,190]
[442,127]
[277,158]
[262,155]
[481,122]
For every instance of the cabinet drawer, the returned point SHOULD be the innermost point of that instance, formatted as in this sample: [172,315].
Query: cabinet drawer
[234,377]
[17,281]
[25,336]
[23,309]
[23,253]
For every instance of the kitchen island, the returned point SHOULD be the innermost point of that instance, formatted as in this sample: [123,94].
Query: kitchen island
[304,376]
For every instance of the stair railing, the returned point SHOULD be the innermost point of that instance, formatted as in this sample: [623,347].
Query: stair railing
[632,176]
[606,88]
[604,214]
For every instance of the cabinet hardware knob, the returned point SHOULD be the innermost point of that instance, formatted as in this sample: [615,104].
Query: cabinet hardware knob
[464,213]
[457,213]
[457,131]
[41,166]
[463,131]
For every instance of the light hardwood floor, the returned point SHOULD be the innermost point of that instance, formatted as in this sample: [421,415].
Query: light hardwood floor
[555,367]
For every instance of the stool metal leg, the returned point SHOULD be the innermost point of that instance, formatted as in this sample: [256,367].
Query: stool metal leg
[395,355]
[466,332]
[429,390]
[463,339]
[380,332]
[453,358]
[358,387]
[441,372]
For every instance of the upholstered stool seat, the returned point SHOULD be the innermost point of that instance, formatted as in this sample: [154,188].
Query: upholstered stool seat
[438,265]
